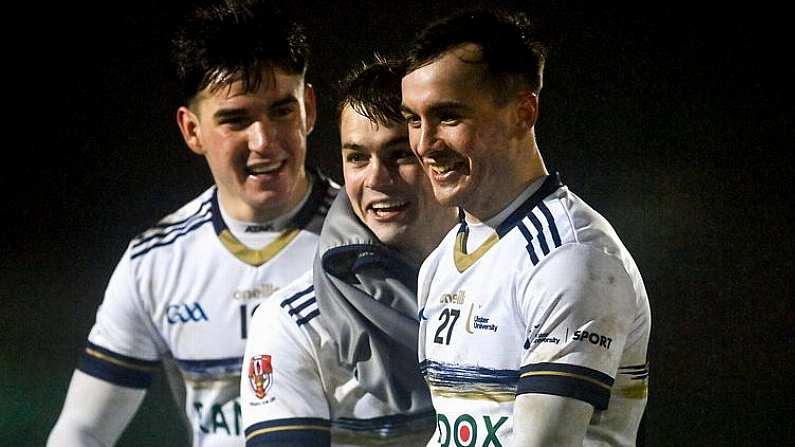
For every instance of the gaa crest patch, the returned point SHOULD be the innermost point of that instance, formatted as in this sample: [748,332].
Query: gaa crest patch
[260,375]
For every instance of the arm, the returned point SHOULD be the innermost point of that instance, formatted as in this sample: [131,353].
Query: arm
[95,412]
[558,421]
[581,304]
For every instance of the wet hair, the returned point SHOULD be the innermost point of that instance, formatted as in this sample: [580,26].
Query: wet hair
[373,91]
[508,47]
[222,42]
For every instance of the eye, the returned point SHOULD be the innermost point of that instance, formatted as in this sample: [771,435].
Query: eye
[450,119]
[283,111]
[413,120]
[404,157]
[235,122]
[355,157]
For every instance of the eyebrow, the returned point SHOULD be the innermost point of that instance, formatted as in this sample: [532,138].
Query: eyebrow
[396,141]
[439,107]
[230,112]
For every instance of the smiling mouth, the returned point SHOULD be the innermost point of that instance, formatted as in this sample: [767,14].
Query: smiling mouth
[264,168]
[442,163]
[388,207]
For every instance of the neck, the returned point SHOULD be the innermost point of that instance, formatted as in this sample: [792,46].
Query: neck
[517,180]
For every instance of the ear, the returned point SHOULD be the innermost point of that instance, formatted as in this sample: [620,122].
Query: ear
[310,106]
[188,123]
[527,109]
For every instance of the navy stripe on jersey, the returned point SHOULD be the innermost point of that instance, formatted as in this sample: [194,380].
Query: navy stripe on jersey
[163,229]
[177,235]
[213,366]
[318,202]
[306,319]
[637,372]
[302,306]
[542,240]
[298,295]
[566,380]
[387,426]
[553,229]
[550,185]
[200,210]
[304,432]
[116,368]
[445,375]
[529,247]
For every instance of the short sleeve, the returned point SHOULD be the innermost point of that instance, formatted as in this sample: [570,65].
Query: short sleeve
[281,393]
[579,305]
[121,348]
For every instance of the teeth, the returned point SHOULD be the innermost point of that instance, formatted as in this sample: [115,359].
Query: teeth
[264,168]
[441,168]
[387,205]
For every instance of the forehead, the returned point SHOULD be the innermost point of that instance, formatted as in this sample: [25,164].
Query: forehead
[358,130]
[275,84]
[456,74]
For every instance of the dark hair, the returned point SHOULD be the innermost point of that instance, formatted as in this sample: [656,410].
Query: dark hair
[508,47]
[222,42]
[373,91]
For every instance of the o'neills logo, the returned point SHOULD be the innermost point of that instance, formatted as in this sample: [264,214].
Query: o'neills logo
[260,375]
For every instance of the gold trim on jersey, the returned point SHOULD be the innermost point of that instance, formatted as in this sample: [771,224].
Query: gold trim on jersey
[639,391]
[463,260]
[263,431]
[495,396]
[118,362]
[257,257]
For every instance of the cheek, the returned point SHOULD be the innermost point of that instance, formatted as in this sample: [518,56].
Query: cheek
[414,138]
[412,176]
[353,187]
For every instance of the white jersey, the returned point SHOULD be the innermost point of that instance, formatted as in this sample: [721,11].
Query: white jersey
[552,304]
[295,391]
[183,295]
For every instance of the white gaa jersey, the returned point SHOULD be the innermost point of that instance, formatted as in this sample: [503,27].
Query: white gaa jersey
[294,391]
[552,304]
[183,295]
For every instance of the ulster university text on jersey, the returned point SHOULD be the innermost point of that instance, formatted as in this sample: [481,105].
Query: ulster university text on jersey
[185,291]
[550,303]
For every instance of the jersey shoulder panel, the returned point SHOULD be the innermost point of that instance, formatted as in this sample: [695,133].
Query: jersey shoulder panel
[177,225]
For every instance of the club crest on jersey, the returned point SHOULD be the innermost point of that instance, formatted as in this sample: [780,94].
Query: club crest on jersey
[260,375]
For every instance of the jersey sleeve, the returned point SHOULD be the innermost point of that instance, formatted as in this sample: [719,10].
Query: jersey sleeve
[579,306]
[281,394]
[121,349]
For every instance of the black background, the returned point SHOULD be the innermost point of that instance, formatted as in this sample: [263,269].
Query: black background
[671,119]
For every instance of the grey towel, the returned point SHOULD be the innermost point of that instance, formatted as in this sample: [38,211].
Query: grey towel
[368,295]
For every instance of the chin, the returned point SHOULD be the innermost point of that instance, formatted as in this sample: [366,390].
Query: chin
[388,236]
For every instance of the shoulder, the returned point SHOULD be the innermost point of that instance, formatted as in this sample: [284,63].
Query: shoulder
[176,227]
[294,305]
[314,211]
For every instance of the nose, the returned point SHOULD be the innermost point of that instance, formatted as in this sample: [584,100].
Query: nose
[258,136]
[424,139]
[379,174]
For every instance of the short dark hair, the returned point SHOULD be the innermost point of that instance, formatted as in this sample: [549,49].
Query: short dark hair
[509,48]
[222,42]
[373,91]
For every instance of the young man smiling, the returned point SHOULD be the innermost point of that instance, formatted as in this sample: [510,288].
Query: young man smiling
[535,320]
[332,359]
[183,292]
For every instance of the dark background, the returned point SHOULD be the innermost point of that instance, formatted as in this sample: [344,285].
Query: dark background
[673,120]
